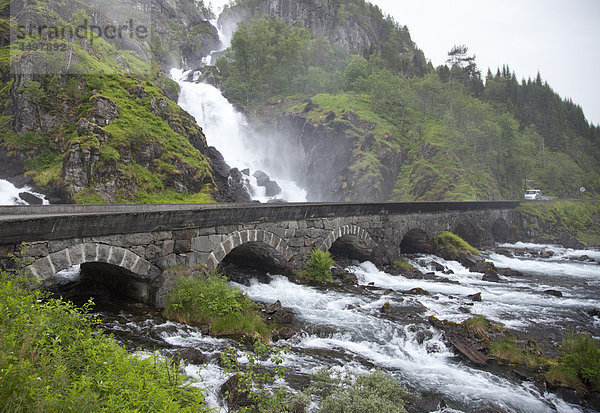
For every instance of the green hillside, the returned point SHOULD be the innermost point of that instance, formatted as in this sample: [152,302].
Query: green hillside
[459,137]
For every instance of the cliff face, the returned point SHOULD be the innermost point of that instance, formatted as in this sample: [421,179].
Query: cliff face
[351,153]
[111,131]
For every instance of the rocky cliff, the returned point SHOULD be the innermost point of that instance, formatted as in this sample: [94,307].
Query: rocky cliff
[108,132]
[351,153]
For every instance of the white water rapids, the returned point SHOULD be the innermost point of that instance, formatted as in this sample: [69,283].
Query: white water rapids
[344,327]
[10,194]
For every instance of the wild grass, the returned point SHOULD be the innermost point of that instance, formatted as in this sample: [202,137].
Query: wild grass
[54,358]
[209,300]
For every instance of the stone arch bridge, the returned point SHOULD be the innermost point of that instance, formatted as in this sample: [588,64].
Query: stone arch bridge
[133,245]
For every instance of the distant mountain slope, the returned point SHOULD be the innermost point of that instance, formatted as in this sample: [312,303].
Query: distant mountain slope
[376,127]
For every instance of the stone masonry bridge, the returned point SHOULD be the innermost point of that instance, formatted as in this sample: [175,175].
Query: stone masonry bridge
[131,246]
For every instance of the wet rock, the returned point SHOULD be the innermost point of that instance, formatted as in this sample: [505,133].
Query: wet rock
[30,198]
[483,267]
[272,188]
[261,178]
[505,252]
[235,393]
[436,266]
[491,276]
[570,395]
[277,313]
[386,308]
[344,276]
[193,356]
[246,171]
[475,297]
[554,293]
[464,310]
[507,272]
[568,241]
[594,312]
[417,291]
[546,253]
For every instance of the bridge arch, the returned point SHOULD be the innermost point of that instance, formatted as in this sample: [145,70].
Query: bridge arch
[350,241]
[416,241]
[262,243]
[94,253]
[119,269]
[501,230]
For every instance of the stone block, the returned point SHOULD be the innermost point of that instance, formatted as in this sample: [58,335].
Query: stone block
[43,268]
[116,255]
[183,245]
[61,260]
[168,261]
[103,252]
[55,246]
[76,254]
[90,252]
[185,234]
[202,244]
[168,247]
[138,239]
[206,231]
[162,236]
[36,250]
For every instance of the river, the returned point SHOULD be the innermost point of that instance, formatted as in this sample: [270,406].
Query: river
[343,326]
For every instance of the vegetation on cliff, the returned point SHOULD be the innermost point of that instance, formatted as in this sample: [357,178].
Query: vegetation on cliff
[553,219]
[108,132]
[428,134]
[54,358]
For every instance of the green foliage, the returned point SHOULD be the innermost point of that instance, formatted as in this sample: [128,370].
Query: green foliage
[512,351]
[319,266]
[581,353]
[256,382]
[480,327]
[211,301]
[269,58]
[579,219]
[349,392]
[447,241]
[53,358]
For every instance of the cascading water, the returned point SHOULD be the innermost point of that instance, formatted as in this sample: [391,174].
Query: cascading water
[11,195]
[242,146]
[344,327]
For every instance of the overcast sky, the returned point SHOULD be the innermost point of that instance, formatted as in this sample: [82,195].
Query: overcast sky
[560,38]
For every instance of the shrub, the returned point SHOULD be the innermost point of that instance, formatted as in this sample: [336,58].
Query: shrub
[581,353]
[348,392]
[319,266]
[211,301]
[53,358]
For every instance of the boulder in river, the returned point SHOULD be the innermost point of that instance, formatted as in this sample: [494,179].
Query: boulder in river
[31,199]
[554,293]
[277,313]
[491,276]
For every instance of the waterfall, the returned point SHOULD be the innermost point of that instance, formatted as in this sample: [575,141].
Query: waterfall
[242,146]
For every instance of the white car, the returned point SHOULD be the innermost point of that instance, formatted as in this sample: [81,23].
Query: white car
[533,195]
